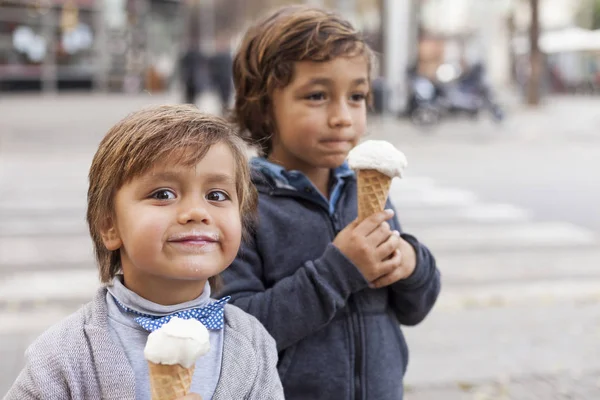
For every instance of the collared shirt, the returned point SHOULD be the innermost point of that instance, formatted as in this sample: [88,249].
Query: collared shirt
[296,180]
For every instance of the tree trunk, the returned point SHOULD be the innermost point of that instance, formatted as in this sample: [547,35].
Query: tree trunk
[533,92]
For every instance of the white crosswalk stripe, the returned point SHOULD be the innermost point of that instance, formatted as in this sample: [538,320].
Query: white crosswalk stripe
[58,285]
[502,236]
[448,219]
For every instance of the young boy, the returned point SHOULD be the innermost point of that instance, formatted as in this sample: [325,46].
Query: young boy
[169,196]
[330,291]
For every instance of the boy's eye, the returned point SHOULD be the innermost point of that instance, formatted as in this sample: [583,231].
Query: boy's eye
[217,195]
[163,194]
[316,96]
[358,97]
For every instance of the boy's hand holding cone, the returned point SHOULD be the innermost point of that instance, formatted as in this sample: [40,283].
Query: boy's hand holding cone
[381,255]
[171,352]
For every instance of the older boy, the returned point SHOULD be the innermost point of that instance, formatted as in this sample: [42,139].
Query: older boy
[331,291]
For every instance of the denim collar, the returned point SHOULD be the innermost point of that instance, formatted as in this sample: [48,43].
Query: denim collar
[285,178]
[296,180]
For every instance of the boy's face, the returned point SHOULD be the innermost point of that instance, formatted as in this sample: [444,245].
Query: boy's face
[321,114]
[176,225]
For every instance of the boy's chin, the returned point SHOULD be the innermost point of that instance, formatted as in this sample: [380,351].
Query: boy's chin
[333,162]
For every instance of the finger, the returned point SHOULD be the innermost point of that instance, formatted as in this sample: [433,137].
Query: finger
[388,247]
[379,235]
[370,224]
[399,247]
[387,279]
[393,276]
[393,262]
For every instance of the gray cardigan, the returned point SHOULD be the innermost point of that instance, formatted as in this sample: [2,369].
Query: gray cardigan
[76,359]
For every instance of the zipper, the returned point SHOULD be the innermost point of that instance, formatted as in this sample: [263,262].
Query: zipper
[336,224]
[354,326]
[354,313]
[357,348]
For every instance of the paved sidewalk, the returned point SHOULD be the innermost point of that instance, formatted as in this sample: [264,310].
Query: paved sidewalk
[561,117]
[559,386]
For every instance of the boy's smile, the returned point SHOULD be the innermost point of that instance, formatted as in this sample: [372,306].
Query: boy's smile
[320,115]
[195,241]
[176,226]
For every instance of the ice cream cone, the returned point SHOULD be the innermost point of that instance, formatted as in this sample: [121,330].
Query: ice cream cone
[168,382]
[373,190]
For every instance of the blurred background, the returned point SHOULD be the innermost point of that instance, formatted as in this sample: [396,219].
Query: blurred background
[495,103]
[127,46]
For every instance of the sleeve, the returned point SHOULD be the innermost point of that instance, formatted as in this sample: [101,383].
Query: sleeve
[24,387]
[40,378]
[414,297]
[307,300]
[267,384]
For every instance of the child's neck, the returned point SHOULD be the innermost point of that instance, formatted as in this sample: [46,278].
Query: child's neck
[319,176]
[166,292]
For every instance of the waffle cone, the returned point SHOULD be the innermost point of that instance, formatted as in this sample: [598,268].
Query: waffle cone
[169,382]
[373,190]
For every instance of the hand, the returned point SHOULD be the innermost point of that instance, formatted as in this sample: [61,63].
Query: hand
[190,396]
[370,245]
[408,262]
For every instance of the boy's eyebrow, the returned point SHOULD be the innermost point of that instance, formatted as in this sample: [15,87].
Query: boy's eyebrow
[219,178]
[163,176]
[328,81]
[359,81]
[210,178]
[319,81]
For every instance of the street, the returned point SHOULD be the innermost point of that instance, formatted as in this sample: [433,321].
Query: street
[511,213]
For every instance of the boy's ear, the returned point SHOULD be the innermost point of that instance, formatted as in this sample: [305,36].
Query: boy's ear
[110,236]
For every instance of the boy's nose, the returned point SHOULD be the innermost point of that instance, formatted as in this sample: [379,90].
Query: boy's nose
[196,211]
[340,114]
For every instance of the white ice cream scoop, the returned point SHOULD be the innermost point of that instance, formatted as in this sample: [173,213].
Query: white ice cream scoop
[378,155]
[179,341]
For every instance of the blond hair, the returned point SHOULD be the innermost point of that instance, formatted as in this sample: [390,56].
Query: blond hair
[140,140]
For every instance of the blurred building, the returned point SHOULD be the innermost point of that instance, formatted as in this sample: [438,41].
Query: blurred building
[110,45]
[570,47]
[462,32]
[34,46]
[133,45]
[90,44]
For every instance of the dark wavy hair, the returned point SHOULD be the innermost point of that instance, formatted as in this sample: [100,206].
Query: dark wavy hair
[266,57]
